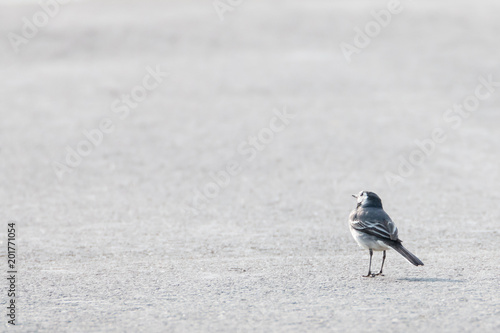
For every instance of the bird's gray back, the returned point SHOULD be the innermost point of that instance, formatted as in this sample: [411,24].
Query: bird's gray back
[374,221]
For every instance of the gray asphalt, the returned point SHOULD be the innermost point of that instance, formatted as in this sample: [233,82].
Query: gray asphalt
[217,198]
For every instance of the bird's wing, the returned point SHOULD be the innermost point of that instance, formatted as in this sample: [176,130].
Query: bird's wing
[383,228]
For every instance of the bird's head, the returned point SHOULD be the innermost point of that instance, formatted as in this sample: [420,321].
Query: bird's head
[368,199]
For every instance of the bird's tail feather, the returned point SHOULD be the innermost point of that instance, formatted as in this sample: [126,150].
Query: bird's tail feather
[405,253]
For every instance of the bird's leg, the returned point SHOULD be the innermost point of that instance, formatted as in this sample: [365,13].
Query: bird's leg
[382,267]
[370,267]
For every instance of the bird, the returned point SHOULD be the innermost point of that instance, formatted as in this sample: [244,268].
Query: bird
[374,230]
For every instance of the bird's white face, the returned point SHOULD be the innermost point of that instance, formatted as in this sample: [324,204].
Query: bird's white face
[361,196]
[368,199]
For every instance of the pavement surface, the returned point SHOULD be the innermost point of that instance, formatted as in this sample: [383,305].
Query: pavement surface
[187,166]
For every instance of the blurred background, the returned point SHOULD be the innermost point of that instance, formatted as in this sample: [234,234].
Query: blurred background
[111,179]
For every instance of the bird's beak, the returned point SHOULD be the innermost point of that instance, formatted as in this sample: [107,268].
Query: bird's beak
[354,196]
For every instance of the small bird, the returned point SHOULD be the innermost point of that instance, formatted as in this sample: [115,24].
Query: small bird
[374,230]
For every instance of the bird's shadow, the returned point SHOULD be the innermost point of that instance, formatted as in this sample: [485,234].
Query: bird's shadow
[430,280]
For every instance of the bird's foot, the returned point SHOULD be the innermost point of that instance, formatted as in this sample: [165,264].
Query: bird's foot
[379,273]
[370,274]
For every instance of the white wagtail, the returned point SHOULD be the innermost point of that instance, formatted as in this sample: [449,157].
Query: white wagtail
[374,230]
